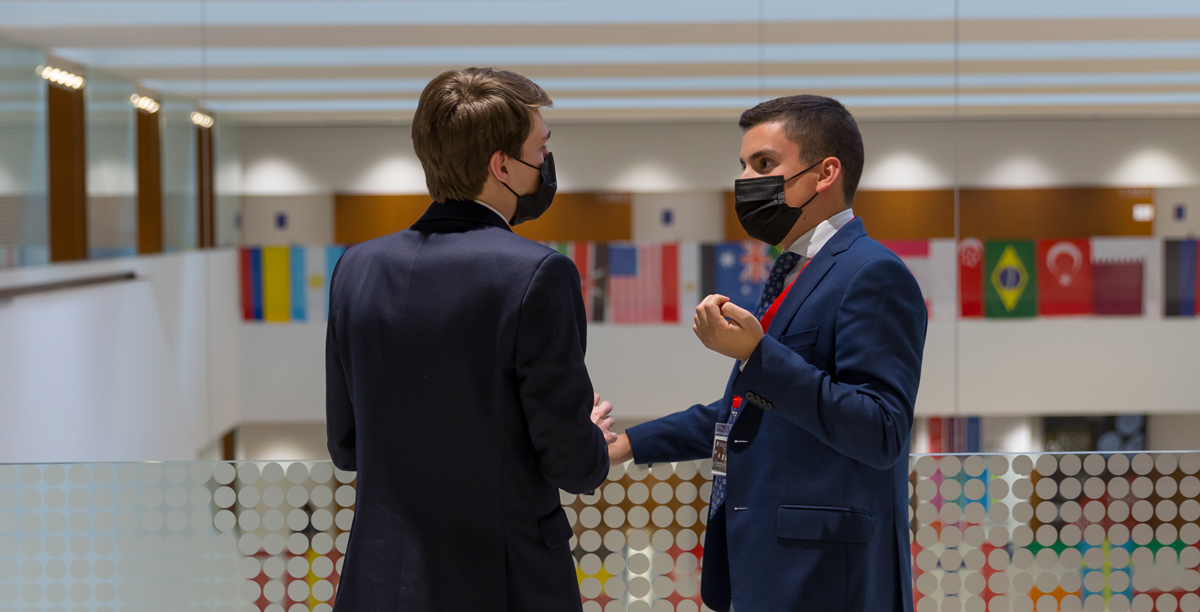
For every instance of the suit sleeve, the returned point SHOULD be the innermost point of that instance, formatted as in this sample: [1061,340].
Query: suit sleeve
[684,436]
[555,390]
[339,411]
[866,412]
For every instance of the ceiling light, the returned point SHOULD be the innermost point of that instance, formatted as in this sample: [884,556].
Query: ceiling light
[61,77]
[202,120]
[144,103]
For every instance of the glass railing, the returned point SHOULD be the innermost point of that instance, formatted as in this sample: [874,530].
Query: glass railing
[1082,532]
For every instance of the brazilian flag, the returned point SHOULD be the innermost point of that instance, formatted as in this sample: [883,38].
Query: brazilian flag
[1010,279]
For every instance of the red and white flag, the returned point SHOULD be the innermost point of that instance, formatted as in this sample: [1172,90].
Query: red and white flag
[1064,277]
[970,277]
[643,283]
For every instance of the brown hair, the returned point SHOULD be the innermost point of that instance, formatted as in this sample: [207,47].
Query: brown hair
[462,118]
[821,127]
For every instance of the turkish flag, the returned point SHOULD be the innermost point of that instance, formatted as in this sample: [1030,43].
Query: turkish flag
[1064,276]
[970,277]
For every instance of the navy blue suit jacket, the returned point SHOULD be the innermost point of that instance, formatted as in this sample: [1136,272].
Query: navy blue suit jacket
[456,387]
[816,509]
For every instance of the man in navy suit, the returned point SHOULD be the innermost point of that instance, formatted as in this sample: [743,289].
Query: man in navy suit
[811,512]
[455,374]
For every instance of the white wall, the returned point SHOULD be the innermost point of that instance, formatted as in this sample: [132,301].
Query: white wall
[697,216]
[309,219]
[130,371]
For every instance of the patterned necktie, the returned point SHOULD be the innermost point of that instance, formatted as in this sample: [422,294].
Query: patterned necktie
[775,282]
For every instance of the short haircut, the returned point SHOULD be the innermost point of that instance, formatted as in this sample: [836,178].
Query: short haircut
[462,118]
[821,127]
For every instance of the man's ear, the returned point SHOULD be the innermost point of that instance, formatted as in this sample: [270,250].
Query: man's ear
[498,165]
[831,170]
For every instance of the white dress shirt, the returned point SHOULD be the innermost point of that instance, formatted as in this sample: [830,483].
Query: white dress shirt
[808,245]
[489,207]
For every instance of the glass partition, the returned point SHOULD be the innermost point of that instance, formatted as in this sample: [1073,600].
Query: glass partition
[179,175]
[1069,531]
[24,234]
[111,167]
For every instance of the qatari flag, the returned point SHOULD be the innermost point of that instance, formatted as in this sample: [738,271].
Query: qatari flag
[1121,274]
[1181,260]
[1064,277]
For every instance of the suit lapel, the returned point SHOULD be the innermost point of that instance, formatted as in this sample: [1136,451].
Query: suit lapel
[813,273]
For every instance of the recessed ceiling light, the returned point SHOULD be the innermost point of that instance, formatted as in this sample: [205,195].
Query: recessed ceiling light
[202,120]
[145,103]
[61,77]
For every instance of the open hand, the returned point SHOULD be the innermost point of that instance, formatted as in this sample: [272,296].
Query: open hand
[727,328]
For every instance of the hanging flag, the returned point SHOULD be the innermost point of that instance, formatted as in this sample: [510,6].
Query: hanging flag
[276,285]
[970,277]
[915,255]
[1064,277]
[1010,279]
[690,283]
[643,283]
[297,280]
[742,270]
[332,254]
[943,283]
[251,284]
[1121,270]
[592,276]
[1181,290]
[314,283]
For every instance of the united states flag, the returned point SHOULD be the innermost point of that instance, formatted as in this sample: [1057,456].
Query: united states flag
[643,283]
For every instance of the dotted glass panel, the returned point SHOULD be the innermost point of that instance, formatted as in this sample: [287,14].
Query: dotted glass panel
[1071,532]
[148,537]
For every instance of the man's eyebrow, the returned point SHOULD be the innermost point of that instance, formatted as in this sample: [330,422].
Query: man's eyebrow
[764,153]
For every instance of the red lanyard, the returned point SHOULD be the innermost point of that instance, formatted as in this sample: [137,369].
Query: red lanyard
[769,315]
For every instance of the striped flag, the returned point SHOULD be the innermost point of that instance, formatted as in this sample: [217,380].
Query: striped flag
[591,261]
[282,284]
[314,283]
[252,298]
[643,283]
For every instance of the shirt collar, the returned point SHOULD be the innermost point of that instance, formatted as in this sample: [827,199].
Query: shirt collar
[809,244]
[489,207]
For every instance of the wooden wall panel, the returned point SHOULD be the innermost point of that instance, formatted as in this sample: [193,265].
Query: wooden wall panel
[582,217]
[359,218]
[206,221]
[1053,213]
[149,179]
[67,173]
[991,213]
[906,215]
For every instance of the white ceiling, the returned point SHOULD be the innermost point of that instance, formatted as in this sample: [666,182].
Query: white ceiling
[366,61]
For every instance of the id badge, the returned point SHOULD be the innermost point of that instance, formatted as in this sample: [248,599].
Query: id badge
[720,448]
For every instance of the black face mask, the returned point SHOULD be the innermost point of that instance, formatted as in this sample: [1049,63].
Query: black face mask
[531,206]
[762,206]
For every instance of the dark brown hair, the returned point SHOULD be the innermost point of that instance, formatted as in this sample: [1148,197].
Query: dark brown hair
[462,118]
[821,127]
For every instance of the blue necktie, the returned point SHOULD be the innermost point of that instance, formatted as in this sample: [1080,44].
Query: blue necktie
[775,282]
